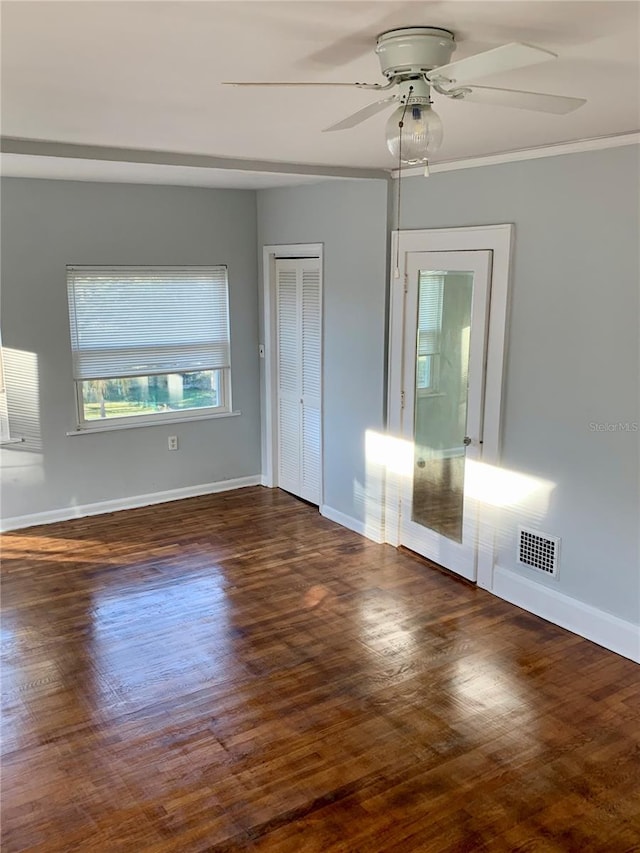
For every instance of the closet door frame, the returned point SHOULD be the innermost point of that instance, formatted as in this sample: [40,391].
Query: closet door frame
[270,411]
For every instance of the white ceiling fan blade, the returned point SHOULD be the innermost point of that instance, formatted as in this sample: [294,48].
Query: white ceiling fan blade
[505,58]
[360,85]
[361,115]
[538,101]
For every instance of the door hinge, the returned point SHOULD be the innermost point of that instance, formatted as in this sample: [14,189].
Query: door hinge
[402,399]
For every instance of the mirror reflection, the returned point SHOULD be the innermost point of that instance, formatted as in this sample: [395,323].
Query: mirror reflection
[441,392]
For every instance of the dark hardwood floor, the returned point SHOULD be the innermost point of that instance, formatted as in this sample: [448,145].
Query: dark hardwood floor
[235,672]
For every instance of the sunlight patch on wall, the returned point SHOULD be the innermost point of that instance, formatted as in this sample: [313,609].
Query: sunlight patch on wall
[500,492]
[370,496]
[395,455]
[488,484]
[23,398]
[22,462]
[502,488]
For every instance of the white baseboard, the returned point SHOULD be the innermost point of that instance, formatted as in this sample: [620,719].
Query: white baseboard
[602,628]
[265,481]
[370,531]
[17,522]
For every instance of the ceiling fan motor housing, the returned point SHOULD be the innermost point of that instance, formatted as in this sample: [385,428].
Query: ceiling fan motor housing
[412,51]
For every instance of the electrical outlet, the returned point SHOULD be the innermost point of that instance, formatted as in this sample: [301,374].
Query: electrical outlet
[173,442]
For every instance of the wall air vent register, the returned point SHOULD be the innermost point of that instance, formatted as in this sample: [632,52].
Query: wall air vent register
[538,551]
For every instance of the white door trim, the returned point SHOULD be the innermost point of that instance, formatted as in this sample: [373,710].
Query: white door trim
[497,239]
[270,429]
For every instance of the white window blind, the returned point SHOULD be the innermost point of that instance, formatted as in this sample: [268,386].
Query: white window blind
[142,321]
[4,411]
[431,286]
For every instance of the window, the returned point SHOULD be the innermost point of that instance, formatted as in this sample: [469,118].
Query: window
[149,343]
[430,298]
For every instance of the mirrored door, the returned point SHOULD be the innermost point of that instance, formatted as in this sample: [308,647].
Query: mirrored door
[447,298]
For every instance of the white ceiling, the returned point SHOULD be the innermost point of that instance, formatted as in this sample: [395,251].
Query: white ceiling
[146,75]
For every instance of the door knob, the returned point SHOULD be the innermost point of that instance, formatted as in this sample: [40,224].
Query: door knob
[466,441]
[421,463]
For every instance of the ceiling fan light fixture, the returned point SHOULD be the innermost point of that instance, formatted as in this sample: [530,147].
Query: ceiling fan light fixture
[421,133]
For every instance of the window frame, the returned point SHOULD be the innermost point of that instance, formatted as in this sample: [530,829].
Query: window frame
[86,425]
[433,388]
[154,418]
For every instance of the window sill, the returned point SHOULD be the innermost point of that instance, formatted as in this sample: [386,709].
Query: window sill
[183,420]
[10,441]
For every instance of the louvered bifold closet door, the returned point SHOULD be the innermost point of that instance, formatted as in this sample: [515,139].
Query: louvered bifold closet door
[311,380]
[299,367]
[289,375]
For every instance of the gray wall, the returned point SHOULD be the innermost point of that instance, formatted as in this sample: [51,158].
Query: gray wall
[350,219]
[573,340]
[48,224]
[573,352]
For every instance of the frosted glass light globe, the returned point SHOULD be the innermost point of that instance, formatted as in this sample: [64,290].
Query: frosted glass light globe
[421,133]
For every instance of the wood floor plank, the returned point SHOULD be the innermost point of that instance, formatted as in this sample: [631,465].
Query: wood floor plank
[234,672]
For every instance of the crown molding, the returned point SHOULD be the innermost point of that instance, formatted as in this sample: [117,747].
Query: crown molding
[596,143]
[35,148]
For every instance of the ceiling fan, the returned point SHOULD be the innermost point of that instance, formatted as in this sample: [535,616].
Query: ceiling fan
[415,61]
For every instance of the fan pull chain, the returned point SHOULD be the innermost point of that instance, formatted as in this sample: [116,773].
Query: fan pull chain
[396,272]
